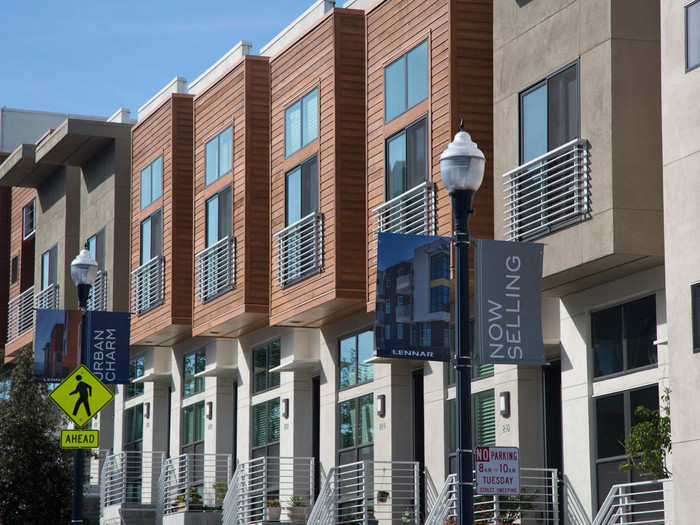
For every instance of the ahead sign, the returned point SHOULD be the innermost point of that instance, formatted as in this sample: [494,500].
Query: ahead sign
[497,470]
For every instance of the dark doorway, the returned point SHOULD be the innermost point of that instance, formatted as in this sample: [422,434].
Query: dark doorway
[551,382]
[234,429]
[419,438]
[316,434]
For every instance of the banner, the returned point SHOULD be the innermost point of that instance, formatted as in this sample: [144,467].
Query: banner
[508,281]
[56,343]
[414,291]
[108,336]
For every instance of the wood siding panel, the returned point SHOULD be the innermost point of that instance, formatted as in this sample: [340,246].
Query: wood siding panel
[5,214]
[23,250]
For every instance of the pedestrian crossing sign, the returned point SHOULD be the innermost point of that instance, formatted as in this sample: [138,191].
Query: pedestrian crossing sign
[81,396]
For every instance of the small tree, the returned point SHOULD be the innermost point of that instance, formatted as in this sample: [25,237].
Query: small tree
[649,442]
[35,474]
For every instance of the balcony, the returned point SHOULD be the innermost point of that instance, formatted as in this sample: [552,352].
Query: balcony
[410,212]
[403,313]
[548,193]
[298,250]
[216,269]
[47,299]
[148,285]
[403,284]
[97,300]
[20,314]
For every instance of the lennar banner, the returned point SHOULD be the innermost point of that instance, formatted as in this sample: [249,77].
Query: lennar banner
[508,281]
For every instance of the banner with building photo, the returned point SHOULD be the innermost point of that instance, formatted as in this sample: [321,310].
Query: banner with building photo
[56,344]
[508,282]
[414,290]
[107,352]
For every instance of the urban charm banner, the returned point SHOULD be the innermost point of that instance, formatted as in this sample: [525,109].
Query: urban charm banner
[108,346]
[508,282]
[413,313]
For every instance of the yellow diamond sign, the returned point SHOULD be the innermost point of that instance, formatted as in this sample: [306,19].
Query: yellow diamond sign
[81,395]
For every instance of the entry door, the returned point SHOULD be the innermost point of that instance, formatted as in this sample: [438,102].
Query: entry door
[316,434]
[551,381]
[419,437]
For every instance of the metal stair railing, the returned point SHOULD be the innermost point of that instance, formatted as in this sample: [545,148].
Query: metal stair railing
[640,502]
[194,482]
[129,478]
[323,511]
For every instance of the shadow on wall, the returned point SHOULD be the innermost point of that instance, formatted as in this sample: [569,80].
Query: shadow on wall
[574,510]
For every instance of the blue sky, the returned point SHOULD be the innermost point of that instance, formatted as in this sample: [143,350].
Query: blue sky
[91,58]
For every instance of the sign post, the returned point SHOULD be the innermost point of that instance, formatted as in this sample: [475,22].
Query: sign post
[497,471]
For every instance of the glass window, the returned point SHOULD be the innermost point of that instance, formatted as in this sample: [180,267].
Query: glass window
[133,428]
[218,156]
[96,247]
[483,430]
[406,81]
[5,387]
[302,191]
[623,337]
[14,271]
[266,429]
[219,211]
[692,36]
[440,266]
[192,424]
[28,219]
[407,159]
[152,182]
[193,364]
[356,429]
[49,261]
[354,351]
[301,123]
[151,237]
[266,357]
[136,370]
[695,314]
[439,299]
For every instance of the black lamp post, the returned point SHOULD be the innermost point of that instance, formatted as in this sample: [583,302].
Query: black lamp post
[83,270]
[462,166]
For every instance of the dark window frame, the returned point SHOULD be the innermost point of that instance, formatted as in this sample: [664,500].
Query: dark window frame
[227,188]
[14,269]
[197,407]
[422,119]
[404,58]
[197,382]
[151,199]
[219,173]
[307,161]
[100,236]
[300,101]
[53,267]
[439,262]
[688,68]
[138,365]
[159,211]
[356,431]
[356,334]
[135,444]
[268,444]
[25,234]
[695,315]
[449,448]
[438,304]
[266,347]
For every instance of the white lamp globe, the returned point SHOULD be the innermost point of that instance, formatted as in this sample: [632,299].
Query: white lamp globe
[83,269]
[462,164]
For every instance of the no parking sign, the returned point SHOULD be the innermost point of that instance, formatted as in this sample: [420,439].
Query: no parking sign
[497,471]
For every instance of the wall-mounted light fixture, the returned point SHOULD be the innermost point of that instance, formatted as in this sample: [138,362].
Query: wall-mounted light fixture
[285,408]
[210,410]
[504,404]
[381,405]
[147,411]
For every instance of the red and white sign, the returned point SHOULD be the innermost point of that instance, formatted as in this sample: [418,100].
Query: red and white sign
[497,470]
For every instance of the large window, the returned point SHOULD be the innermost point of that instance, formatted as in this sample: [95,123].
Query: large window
[266,429]
[219,220]
[695,314]
[218,155]
[152,182]
[193,429]
[439,299]
[49,263]
[133,428]
[151,229]
[483,428]
[96,247]
[440,266]
[5,387]
[301,191]
[354,351]
[406,81]
[14,270]
[193,363]
[301,123]
[623,337]
[407,159]
[29,219]
[692,35]
[266,357]
[136,369]
[356,431]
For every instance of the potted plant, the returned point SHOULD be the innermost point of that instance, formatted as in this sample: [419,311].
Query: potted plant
[407,516]
[296,509]
[371,520]
[179,503]
[273,510]
[450,521]
[195,499]
[382,496]
[219,492]
[510,508]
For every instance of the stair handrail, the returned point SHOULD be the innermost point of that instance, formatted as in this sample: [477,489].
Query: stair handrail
[610,508]
[323,511]
[444,502]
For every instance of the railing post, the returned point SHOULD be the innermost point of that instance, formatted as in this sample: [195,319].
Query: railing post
[496,509]
[312,468]
[364,492]
[555,496]
[264,509]
[416,494]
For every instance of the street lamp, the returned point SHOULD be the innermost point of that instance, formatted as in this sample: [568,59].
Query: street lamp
[83,271]
[462,166]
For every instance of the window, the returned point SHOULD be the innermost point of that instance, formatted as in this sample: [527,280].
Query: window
[387,306]
[136,369]
[301,123]
[151,237]
[49,262]
[96,247]
[354,351]
[219,220]
[692,36]
[193,429]
[193,364]
[440,266]
[615,416]
[406,81]
[28,219]
[266,357]
[356,432]
[266,429]
[407,159]
[152,182]
[695,313]
[483,429]
[301,191]
[14,272]
[439,299]
[5,387]
[218,155]
[623,337]
[133,428]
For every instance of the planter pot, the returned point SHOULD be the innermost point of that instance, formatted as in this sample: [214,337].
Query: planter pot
[381,498]
[372,522]
[273,513]
[297,513]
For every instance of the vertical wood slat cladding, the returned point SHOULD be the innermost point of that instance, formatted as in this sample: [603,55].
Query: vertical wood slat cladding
[331,57]
[23,250]
[167,131]
[460,86]
[5,208]
[239,99]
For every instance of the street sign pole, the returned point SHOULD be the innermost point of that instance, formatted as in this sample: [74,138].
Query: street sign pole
[78,456]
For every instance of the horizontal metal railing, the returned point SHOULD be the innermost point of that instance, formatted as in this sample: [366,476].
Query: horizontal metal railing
[47,299]
[270,489]
[130,478]
[97,299]
[548,192]
[20,314]
[216,269]
[411,212]
[640,502]
[299,250]
[194,482]
[148,285]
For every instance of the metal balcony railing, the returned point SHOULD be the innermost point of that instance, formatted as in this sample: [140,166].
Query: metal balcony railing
[411,212]
[640,502]
[548,192]
[148,285]
[194,482]
[299,250]
[47,299]
[216,269]
[537,503]
[20,314]
[97,299]
[130,479]
[260,481]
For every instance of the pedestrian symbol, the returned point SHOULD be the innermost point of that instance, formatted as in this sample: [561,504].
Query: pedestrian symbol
[81,396]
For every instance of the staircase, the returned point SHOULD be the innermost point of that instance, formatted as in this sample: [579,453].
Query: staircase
[640,502]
